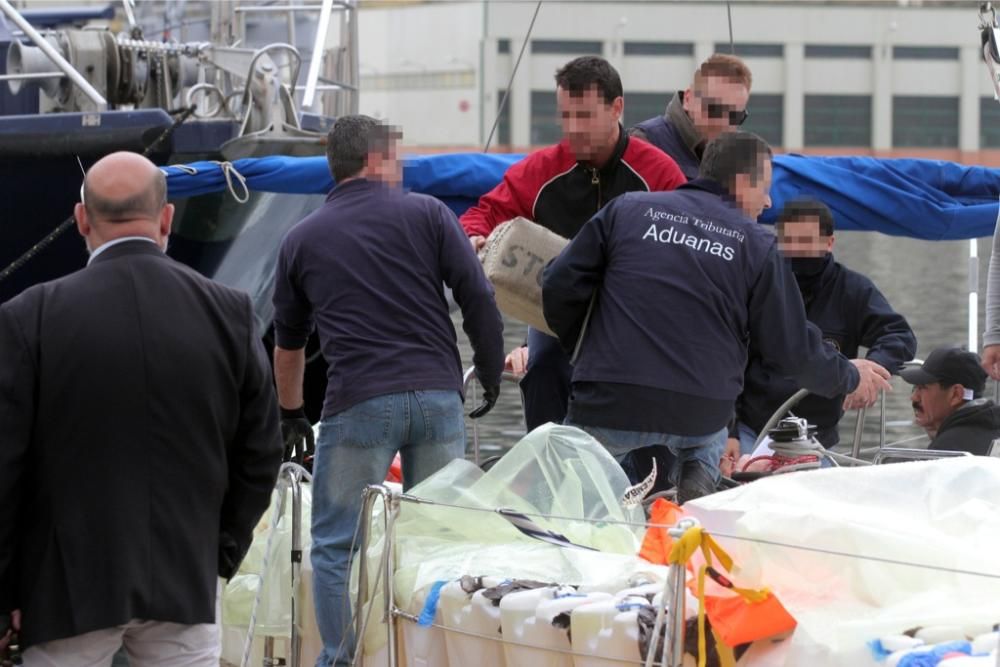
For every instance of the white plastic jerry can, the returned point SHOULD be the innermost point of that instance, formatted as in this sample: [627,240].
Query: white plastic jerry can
[472,626]
[606,633]
[530,635]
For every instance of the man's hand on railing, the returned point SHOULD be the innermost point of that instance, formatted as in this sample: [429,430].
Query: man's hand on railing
[873,379]
[991,361]
[517,361]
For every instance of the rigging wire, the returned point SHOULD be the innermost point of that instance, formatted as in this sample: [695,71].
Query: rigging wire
[510,82]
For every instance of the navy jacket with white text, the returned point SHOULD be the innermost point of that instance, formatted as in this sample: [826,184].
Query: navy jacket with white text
[684,282]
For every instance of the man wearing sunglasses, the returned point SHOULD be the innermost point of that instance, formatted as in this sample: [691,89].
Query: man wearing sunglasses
[714,103]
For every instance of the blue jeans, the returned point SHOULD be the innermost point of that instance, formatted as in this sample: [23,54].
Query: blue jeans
[701,451]
[747,438]
[355,448]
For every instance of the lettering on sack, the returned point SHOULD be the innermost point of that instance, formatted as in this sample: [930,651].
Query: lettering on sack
[518,255]
[672,236]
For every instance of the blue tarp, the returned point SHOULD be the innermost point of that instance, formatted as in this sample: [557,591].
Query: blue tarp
[924,199]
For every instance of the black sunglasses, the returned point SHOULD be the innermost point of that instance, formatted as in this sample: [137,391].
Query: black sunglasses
[718,110]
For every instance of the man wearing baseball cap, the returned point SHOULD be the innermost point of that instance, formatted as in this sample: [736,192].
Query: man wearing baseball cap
[947,404]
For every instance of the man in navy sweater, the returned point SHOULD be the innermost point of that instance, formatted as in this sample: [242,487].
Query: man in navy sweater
[845,305]
[367,271]
[680,283]
[714,103]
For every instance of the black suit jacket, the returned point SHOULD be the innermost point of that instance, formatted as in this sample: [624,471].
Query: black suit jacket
[139,444]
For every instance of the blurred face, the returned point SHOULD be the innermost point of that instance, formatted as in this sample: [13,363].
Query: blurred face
[932,404]
[589,124]
[802,238]
[385,166]
[753,196]
[716,105]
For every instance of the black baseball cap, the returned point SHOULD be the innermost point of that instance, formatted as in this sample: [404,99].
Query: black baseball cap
[948,366]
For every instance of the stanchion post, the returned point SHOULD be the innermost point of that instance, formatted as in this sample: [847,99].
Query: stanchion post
[295,648]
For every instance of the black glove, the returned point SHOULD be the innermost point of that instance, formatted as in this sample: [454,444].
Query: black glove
[295,428]
[490,395]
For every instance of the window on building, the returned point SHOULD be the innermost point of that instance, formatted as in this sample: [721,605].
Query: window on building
[568,47]
[640,106]
[503,46]
[924,122]
[502,135]
[659,48]
[989,123]
[925,53]
[838,120]
[767,117]
[838,51]
[544,118]
[753,50]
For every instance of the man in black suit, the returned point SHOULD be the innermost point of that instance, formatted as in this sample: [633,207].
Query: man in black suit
[139,440]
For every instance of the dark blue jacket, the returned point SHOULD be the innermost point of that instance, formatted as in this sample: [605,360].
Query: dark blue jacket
[674,134]
[661,133]
[367,270]
[851,312]
[684,282]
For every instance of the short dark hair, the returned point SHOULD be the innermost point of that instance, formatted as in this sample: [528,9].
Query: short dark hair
[351,139]
[734,153]
[581,74]
[724,66]
[808,207]
[149,202]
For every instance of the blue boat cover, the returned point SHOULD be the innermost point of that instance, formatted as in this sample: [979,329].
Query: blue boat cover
[924,199]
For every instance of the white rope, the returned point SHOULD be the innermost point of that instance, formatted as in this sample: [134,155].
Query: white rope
[230,172]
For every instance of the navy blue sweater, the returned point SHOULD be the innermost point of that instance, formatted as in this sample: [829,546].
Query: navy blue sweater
[367,269]
[851,312]
[684,282]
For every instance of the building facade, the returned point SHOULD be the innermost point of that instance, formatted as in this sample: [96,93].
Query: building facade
[864,77]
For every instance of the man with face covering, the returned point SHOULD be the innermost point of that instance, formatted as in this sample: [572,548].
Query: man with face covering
[845,305]
[714,103]
[560,187]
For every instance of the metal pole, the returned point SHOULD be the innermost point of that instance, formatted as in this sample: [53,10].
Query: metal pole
[973,295]
[881,430]
[675,613]
[54,55]
[858,430]
[391,509]
[26,77]
[295,650]
[367,504]
[317,54]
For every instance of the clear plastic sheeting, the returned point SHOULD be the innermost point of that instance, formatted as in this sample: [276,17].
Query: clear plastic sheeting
[861,553]
[557,476]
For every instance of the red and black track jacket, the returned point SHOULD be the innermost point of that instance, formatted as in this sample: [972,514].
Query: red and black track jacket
[551,188]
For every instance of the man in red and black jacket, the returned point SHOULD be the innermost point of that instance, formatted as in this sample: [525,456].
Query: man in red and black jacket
[561,187]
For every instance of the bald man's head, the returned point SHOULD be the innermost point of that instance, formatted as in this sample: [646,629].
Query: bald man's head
[124,187]
[124,195]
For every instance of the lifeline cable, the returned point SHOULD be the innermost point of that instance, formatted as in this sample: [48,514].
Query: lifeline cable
[510,82]
[70,221]
[607,521]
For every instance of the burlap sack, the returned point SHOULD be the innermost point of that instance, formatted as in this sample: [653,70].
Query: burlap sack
[513,258]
